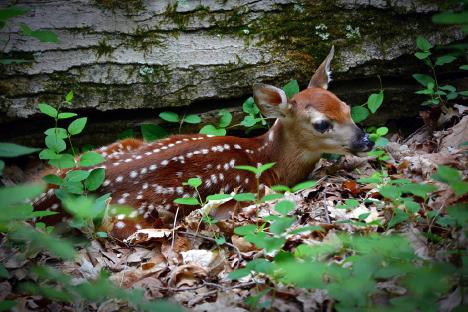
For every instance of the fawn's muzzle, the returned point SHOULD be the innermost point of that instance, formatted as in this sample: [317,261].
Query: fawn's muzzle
[362,143]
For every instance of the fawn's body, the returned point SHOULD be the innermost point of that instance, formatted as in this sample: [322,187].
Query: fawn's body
[149,176]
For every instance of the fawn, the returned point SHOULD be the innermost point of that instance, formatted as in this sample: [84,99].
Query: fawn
[149,176]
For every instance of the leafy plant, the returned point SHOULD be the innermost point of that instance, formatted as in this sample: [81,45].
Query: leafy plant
[362,112]
[437,94]
[225,119]
[175,118]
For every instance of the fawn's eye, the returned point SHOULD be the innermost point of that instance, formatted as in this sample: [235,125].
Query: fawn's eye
[322,126]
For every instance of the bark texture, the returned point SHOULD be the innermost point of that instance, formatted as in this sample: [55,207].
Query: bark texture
[138,54]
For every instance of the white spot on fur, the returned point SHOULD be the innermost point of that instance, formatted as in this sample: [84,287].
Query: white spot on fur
[221,177]
[121,216]
[214,179]
[153,167]
[145,186]
[133,174]
[238,178]
[143,170]
[120,225]
[128,160]
[119,179]
[156,150]
[204,151]
[116,163]
[106,182]
[237,146]
[164,162]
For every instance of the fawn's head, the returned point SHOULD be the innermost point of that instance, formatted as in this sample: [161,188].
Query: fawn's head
[315,117]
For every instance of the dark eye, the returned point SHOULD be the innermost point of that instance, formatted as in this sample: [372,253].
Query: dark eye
[322,126]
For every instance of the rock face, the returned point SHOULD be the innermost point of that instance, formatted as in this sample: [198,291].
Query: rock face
[145,54]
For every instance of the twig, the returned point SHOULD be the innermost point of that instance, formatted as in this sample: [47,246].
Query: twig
[213,240]
[325,204]
[174,228]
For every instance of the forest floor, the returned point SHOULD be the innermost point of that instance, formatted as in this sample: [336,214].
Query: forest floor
[189,264]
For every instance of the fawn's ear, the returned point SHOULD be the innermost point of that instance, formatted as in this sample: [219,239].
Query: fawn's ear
[322,75]
[271,101]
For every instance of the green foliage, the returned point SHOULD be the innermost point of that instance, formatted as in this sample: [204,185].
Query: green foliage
[453,178]
[291,88]
[41,35]
[437,94]
[152,132]
[362,112]
[225,120]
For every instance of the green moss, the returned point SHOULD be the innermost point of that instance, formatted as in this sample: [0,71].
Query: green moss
[144,39]
[103,49]
[131,6]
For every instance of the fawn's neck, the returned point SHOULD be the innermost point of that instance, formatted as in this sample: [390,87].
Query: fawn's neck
[293,162]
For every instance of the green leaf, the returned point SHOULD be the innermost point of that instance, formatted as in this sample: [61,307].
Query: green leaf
[464,67]
[95,179]
[129,133]
[69,96]
[247,168]
[311,228]
[420,190]
[65,161]
[194,182]
[265,167]
[55,143]
[283,188]
[459,212]
[2,166]
[220,240]
[76,126]
[17,194]
[303,185]
[192,119]
[212,130]
[270,197]
[52,179]
[169,116]
[412,206]
[423,43]
[284,207]
[374,101]
[460,188]
[359,113]
[12,11]
[4,272]
[381,142]
[91,159]
[445,59]
[448,88]
[7,305]
[448,17]
[424,80]
[59,132]
[249,107]
[280,225]
[291,88]
[77,175]
[398,217]
[66,115]
[14,150]
[239,273]
[382,131]
[245,229]
[49,154]
[41,35]
[422,55]
[225,119]
[218,197]
[349,204]
[43,213]
[187,201]
[152,132]
[13,61]
[446,175]
[83,207]
[48,110]
[390,191]
[242,197]
[249,121]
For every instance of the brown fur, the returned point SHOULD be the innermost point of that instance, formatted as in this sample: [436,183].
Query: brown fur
[323,101]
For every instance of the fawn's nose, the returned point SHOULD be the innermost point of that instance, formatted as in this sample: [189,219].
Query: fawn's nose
[362,143]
